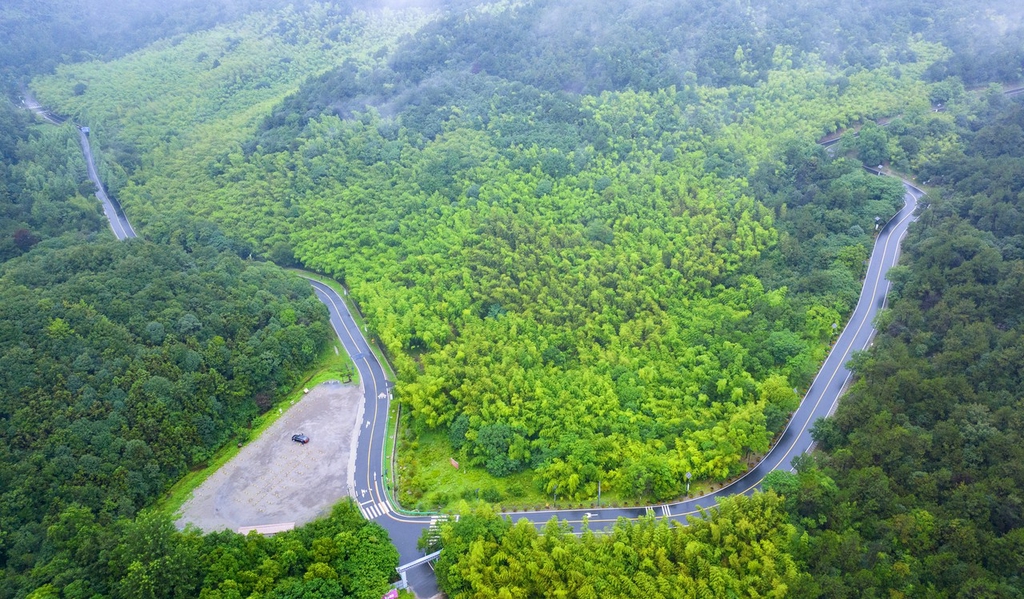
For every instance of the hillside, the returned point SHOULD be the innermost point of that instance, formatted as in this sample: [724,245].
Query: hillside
[529,254]
[604,252]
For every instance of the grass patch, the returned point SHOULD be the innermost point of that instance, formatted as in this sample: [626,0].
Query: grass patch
[429,482]
[332,364]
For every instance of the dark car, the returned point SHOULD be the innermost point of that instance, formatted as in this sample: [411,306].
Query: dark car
[300,438]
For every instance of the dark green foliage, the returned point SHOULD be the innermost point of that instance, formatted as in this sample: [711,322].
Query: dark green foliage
[925,450]
[342,555]
[457,431]
[570,47]
[44,191]
[871,145]
[124,365]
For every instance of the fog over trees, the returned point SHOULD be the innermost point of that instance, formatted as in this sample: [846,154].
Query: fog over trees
[598,241]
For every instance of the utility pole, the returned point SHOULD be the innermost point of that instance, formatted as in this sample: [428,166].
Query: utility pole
[689,475]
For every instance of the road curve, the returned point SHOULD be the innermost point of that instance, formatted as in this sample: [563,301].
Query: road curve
[367,480]
[111,209]
[820,401]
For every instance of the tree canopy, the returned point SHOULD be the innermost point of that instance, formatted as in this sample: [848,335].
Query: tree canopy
[127,363]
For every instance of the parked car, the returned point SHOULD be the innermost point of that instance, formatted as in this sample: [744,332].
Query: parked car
[300,438]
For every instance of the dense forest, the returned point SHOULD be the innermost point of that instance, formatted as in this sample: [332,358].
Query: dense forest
[44,191]
[915,489]
[740,549]
[341,555]
[918,488]
[124,366]
[41,34]
[528,254]
[599,243]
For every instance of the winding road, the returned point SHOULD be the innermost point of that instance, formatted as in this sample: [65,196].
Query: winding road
[372,495]
[111,209]
[820,401]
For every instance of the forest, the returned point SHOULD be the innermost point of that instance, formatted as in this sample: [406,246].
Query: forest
[44,191]
[341,555]
[915,489]
[600,244]
[741,549]
[584,284]
[126,365]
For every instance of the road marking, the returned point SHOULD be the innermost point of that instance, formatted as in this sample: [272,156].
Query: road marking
[650,511]
[325,292]
[372,511]
[909,216]
[666,511]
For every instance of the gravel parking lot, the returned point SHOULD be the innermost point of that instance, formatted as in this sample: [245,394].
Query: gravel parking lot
[275,480]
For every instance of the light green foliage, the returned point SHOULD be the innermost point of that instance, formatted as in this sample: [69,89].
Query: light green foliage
[738,549]
[575,276]
[185,103]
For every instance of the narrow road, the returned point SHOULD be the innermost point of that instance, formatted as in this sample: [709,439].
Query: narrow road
[820,401]
[372,495]
[111,209]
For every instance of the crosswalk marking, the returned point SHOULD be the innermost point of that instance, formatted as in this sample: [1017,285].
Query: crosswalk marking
[373,510]
[666,511]
[650,511]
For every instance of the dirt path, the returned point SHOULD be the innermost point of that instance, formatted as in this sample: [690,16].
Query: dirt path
[275,480]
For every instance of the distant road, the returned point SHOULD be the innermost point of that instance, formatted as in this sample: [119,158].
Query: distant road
[118,221]
[373,497]
[111,209]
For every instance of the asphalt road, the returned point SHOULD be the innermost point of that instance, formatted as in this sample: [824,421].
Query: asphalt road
[820,401]
[111,209]
[372,496]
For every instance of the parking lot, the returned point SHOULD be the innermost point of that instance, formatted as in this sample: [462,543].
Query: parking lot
[275,480]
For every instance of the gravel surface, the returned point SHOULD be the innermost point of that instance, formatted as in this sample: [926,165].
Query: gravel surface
[275,480]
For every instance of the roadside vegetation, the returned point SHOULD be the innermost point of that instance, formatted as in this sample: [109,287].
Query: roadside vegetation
[923,455]
[591,286]
[601,248]
[126,366]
